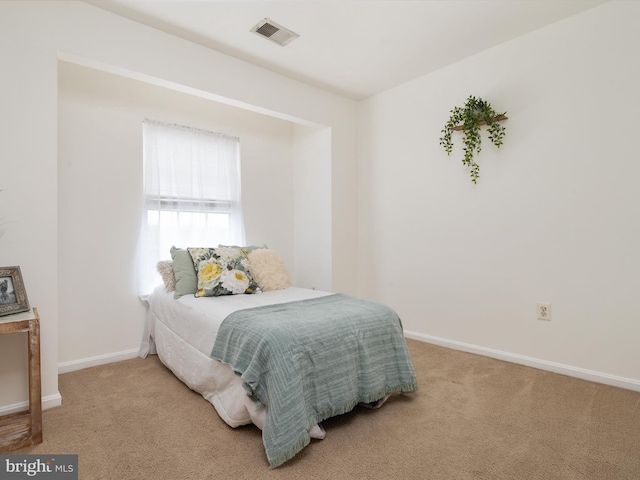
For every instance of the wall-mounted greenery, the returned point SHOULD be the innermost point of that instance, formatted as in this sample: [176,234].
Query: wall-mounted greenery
[476,112]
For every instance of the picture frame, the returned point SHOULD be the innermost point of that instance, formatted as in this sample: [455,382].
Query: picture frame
[13,296]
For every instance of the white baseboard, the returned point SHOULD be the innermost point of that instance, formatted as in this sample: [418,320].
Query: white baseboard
[66,367]
[48,402]
[83,363]
[593,376]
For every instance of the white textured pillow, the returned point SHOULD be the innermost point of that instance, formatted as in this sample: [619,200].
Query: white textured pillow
[165,268]
[268,270]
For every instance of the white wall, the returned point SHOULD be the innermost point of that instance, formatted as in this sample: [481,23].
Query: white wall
[99,196]
[35,35]
[28,165]
[312,207]
[554,216]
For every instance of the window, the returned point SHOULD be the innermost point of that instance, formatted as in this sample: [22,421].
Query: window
[191,194]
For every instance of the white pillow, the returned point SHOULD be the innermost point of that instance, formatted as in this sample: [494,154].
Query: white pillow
[165,269]
[268,270]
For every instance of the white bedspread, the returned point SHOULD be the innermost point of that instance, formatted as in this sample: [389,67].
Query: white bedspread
[182,332]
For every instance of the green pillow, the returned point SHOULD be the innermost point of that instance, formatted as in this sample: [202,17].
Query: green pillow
[184,271]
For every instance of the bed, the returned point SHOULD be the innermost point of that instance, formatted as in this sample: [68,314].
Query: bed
[283,360]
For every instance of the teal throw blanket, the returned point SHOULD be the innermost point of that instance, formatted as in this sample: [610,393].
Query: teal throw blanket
[313,359]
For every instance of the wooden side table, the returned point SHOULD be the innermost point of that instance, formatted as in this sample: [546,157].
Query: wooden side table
[23,429]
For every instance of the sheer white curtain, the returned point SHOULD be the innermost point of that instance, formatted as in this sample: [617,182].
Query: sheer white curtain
[191,194]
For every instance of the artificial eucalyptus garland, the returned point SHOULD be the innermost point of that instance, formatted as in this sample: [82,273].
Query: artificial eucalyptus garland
[475,112]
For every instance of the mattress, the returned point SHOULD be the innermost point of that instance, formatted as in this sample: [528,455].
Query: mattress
[182,332]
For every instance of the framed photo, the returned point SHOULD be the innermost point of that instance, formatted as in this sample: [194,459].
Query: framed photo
[13,297]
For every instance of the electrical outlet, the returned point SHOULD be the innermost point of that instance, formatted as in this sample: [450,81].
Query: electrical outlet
[543,311]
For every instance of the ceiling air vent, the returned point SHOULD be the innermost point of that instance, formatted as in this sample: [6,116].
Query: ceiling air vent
[274,32]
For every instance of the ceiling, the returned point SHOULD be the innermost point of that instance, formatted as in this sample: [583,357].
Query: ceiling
[352,48]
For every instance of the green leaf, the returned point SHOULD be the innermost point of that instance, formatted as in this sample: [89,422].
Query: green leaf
[469,116]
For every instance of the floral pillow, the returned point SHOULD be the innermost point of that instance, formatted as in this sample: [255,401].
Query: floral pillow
[222,271]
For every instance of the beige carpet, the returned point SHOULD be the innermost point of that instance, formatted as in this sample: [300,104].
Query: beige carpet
[473,418]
